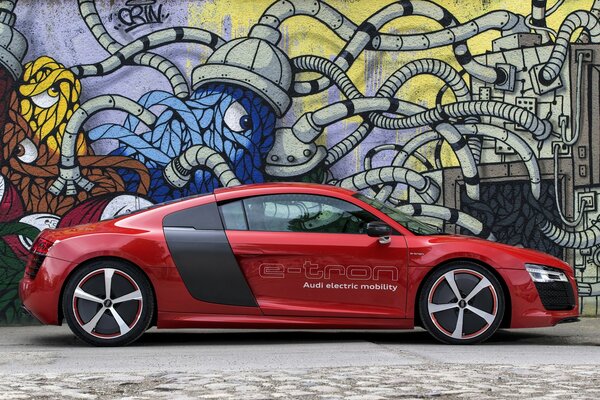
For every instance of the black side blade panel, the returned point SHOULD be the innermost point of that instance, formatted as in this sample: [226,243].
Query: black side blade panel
[204,258]
[202,217]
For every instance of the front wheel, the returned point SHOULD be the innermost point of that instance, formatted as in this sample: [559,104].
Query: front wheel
[108,303]
[461,303]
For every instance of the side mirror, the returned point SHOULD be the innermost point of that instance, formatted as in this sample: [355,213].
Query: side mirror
[380,230]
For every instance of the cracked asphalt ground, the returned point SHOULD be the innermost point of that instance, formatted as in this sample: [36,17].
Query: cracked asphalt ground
[48,362]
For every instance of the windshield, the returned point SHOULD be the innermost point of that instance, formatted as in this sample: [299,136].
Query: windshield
[410,223]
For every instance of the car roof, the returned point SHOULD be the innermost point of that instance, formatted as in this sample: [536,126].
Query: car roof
[277,187]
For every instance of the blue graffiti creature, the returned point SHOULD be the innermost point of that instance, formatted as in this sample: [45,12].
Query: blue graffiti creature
[219,135]
[231,120]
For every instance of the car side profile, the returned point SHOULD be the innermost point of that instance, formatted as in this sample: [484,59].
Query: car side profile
[287,255]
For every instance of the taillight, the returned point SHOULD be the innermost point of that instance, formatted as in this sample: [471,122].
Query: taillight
[41,246]
[37,254]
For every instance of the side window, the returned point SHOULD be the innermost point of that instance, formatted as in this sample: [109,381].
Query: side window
[233,215]
[305,213]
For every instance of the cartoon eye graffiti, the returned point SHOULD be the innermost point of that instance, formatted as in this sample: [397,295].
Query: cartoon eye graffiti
[236,118]
[53,91]
[26,151]
[46,99]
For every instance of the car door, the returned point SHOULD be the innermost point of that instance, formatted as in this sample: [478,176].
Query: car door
[309,255]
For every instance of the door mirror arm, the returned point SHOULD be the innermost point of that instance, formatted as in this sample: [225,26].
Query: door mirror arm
[385,239]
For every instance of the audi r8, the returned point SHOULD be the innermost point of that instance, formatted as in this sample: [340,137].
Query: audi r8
[287,256]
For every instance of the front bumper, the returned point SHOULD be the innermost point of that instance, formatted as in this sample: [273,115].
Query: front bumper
[528,310]
[41,296]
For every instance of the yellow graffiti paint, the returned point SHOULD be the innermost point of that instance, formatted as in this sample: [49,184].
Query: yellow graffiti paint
[49,94]
[305,35]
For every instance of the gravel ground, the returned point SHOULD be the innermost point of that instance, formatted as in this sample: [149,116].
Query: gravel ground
[371,383]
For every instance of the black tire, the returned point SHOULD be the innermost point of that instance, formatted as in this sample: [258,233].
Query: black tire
[441,309]
[114,320]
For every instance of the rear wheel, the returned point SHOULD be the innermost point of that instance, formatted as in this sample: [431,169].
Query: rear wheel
[461,303]
[108,303]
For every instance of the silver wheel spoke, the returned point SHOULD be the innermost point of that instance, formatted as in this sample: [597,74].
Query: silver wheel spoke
[123,327]
[137,295]
[81,294]
[483,283]
[458,331]
[108,275]
[89,327]
[449,276]
[433,308]
[489,318]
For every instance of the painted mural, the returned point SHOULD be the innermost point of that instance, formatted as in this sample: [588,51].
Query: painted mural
[480,117]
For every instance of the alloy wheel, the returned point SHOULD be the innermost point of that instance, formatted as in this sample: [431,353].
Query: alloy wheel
[107,303]
[462,303]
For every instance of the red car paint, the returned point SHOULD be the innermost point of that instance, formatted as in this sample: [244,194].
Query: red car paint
[276,266]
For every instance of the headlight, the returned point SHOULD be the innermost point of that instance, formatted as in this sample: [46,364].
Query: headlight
[543,274]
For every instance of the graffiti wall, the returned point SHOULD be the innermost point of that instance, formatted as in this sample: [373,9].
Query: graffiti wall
[480,117]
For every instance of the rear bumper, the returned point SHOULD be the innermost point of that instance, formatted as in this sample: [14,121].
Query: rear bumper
[526,304]
[41,296]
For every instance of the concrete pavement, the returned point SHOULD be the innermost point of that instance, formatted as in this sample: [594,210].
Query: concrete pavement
[49,362]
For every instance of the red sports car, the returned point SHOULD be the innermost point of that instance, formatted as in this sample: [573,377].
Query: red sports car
[287,256]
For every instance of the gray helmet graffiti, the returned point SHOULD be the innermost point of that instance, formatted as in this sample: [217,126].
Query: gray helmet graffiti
[253,63]
[13,44]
